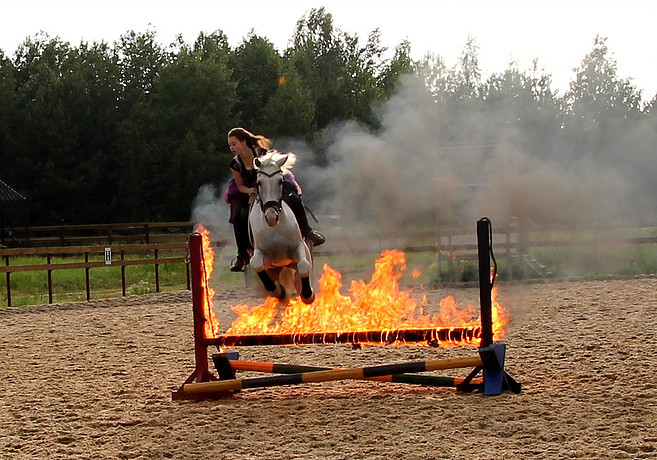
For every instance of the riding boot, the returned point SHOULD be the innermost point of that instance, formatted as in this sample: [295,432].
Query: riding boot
[295,203]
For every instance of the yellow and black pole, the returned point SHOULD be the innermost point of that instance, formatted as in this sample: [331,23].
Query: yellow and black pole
[414,379]
[357,373]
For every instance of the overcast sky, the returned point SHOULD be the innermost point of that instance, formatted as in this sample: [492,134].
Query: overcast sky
[558,32]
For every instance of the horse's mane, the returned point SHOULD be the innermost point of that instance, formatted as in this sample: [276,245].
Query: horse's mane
[270,159]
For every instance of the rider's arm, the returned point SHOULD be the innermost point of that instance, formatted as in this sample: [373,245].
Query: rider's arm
[240,184]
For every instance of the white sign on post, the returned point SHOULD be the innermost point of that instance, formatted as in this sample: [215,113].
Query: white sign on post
[108,256]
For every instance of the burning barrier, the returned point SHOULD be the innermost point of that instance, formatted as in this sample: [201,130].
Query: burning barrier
[256,327]
[374,312]
[430,336]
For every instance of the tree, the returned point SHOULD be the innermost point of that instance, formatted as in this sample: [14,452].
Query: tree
[364,68]
[523,108]
[400,64]
[318,58]
[467,75]
[435,74]
[174,130]
[193,102]
[598,102]
[8,110]
[257,69]
[52,146]
[140,61]
[290,112]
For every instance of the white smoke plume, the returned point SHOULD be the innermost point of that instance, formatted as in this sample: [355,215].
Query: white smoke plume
[407,174]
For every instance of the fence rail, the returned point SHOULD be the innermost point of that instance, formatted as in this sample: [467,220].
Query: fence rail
[452,247]
[107,253]
[136,232]
[516,243]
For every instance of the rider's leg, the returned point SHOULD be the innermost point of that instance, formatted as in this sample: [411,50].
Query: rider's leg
[240,218]
[294,201]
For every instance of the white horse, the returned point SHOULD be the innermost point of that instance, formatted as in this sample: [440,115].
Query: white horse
[278,245]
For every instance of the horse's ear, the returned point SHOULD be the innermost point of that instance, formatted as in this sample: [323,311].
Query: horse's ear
[257,162]
[281,161]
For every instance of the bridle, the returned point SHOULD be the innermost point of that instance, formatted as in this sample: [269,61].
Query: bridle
[276,205]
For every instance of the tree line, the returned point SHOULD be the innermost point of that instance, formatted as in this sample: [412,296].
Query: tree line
[129,131]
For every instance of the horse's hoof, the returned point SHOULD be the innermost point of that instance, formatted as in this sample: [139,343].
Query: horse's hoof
[308,300]
[281,292]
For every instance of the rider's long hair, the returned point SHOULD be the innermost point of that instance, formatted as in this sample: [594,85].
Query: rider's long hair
[253,141]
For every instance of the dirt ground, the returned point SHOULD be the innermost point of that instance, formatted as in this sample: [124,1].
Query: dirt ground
[94,380]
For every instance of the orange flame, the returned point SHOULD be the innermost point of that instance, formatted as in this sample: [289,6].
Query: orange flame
[211,325]
[378,305]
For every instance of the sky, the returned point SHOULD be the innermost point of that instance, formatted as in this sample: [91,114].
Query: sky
[559,33]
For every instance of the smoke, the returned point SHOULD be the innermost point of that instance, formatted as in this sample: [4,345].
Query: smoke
[424,168]
[427,165]
[210,210]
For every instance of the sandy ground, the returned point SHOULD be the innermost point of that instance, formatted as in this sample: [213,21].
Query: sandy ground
[94,380]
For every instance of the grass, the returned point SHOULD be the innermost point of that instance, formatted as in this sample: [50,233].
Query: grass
[31,287]
[560,262]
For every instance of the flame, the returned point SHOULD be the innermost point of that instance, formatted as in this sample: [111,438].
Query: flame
[378,305]
[211,325]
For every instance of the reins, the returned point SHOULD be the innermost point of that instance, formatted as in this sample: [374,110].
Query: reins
[277,205]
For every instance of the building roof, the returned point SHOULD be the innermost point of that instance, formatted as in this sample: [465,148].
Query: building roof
[9,194]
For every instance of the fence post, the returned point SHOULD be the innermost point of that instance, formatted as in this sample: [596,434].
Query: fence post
[189,281]
[439,260]
[595,248]
[509,256]
[8,282]
[523,245]
[48,260]
[122,272]
[86,273]
[450,260]
[157,272]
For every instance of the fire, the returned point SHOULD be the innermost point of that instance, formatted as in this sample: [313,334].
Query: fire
[378,305]
[211,325]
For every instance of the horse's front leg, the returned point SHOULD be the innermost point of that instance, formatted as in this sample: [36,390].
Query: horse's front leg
[258,264]
[304,267]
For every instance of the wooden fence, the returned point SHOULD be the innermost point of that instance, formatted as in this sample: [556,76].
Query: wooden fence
[148,254]
[452,247]
[139,232]
[517,245]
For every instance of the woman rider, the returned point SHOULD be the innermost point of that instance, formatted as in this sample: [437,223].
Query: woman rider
[246,146]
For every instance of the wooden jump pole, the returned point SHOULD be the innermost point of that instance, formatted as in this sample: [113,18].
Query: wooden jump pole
[430,336]
[274,368]
[356,373]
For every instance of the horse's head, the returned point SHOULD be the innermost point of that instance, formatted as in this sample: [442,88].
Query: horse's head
[270,183]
